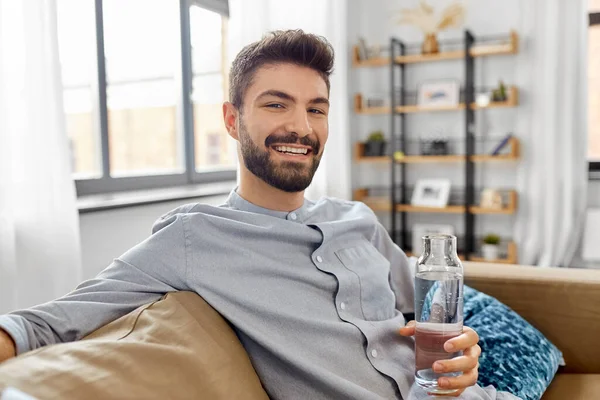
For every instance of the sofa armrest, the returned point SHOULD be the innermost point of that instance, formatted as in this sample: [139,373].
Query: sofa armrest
[563,303]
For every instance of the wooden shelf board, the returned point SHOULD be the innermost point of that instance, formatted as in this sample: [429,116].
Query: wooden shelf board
[503,211]
[431,159]
[446,210]
[512,101]
[439,159]
[379,159]
[486,158]
[511,47]
[378,203]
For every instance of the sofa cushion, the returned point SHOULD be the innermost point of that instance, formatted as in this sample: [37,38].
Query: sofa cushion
[515,356]
[176,348]
[573,387]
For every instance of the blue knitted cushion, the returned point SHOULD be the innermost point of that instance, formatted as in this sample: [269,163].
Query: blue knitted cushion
[515,357]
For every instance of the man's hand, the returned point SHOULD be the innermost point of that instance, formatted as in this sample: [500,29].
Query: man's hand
[7,346]
[468,363]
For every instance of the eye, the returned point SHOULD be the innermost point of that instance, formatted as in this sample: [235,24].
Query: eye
[274,105]
[316,111]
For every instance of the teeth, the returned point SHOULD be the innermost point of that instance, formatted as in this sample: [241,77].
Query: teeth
[286,149]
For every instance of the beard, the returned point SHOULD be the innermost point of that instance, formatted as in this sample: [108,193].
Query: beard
[288,176]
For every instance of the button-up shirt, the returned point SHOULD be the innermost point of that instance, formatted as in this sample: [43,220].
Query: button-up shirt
[316,295]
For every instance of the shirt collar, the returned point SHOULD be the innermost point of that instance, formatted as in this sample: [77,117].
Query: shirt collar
[239,203]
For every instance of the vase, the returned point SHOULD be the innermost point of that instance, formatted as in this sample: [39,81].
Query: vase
[490,251]
[430,45]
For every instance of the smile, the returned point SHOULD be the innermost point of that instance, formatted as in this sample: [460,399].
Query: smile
[293,151]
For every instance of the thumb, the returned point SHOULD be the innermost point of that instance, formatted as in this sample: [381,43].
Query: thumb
[409,329]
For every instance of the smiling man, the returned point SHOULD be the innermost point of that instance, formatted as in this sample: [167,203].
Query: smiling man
[317,292]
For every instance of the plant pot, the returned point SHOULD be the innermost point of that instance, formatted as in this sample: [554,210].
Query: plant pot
[490,251]
[374,149]
[430,44]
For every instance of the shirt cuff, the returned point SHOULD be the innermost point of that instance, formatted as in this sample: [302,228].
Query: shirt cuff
[13,325]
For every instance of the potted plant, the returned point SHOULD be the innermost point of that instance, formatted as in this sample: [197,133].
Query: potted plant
[375,144]
[490,247]
[499,94]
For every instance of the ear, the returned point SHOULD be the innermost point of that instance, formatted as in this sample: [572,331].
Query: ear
[230,116]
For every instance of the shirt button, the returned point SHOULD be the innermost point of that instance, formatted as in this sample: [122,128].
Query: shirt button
[293,216]
[319,259]
[374,353]
[343,305]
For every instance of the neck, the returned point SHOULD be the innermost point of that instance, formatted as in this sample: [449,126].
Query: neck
[260,193]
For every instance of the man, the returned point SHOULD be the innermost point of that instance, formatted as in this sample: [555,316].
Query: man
[317,288]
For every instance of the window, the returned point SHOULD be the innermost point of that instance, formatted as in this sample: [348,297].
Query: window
[594,88]
[126,66]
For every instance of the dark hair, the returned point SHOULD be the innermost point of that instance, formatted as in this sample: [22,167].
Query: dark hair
[291,46]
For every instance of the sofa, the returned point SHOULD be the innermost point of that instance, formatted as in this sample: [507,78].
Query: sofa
[179,347]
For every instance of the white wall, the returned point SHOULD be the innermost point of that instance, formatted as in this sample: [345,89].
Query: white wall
[594,194]
[106,235]
[375,20]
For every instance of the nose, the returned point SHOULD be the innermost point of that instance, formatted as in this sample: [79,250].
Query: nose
[299,123]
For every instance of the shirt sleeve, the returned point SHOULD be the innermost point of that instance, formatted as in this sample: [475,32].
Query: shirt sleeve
[142,275]
[401,269]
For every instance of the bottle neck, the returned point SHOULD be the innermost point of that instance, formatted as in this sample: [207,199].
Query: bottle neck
[439,246]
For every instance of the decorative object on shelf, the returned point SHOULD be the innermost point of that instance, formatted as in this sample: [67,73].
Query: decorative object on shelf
[375,144]
[420,230]
[491,198]
[502,144]
[363,50]
[439,93]
[375,102]
[499,94]
[482,100]
[431,193]
[424,18]
[374,51]
[434,147]
[490,247]
[398,156]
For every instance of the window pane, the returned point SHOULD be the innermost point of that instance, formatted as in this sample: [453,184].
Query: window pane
[142,49]
[214,148]
[77,52]
[594,93]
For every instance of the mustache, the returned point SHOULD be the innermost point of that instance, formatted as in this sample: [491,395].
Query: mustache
[292,138]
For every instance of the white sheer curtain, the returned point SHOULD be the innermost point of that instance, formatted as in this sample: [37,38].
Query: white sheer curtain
[250,20]
[553,176]
[39,231]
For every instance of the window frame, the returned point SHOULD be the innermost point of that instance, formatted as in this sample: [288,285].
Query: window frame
[594,166]
[107,183]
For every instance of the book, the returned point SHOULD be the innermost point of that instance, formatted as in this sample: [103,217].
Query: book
[501,145]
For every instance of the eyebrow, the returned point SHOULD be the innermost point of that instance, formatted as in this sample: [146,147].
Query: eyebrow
[289,97]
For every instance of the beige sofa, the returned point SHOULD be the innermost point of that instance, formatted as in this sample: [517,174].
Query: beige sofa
[179,347]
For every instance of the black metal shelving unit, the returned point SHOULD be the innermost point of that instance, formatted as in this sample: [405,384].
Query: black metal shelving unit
[399,141]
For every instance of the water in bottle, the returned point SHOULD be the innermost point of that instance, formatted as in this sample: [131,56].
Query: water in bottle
[438,308]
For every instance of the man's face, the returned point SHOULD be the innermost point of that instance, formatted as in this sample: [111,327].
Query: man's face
[283,125]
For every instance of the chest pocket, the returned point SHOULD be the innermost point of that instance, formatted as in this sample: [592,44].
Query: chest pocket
[377,299]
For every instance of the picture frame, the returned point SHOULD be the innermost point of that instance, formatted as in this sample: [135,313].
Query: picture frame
[431,193]
[420,230]
[439,93]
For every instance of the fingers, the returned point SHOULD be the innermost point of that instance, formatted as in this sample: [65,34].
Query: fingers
[409,329]
[466,380]
[453,394]
[458,364]
[468,338]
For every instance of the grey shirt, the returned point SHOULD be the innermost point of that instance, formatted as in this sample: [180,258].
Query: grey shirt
[316,295]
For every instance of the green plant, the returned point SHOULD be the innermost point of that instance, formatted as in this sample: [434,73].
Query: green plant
[376,136]
[499,94]
[491,239]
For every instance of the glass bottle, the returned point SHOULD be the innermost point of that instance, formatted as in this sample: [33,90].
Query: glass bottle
[438,308]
